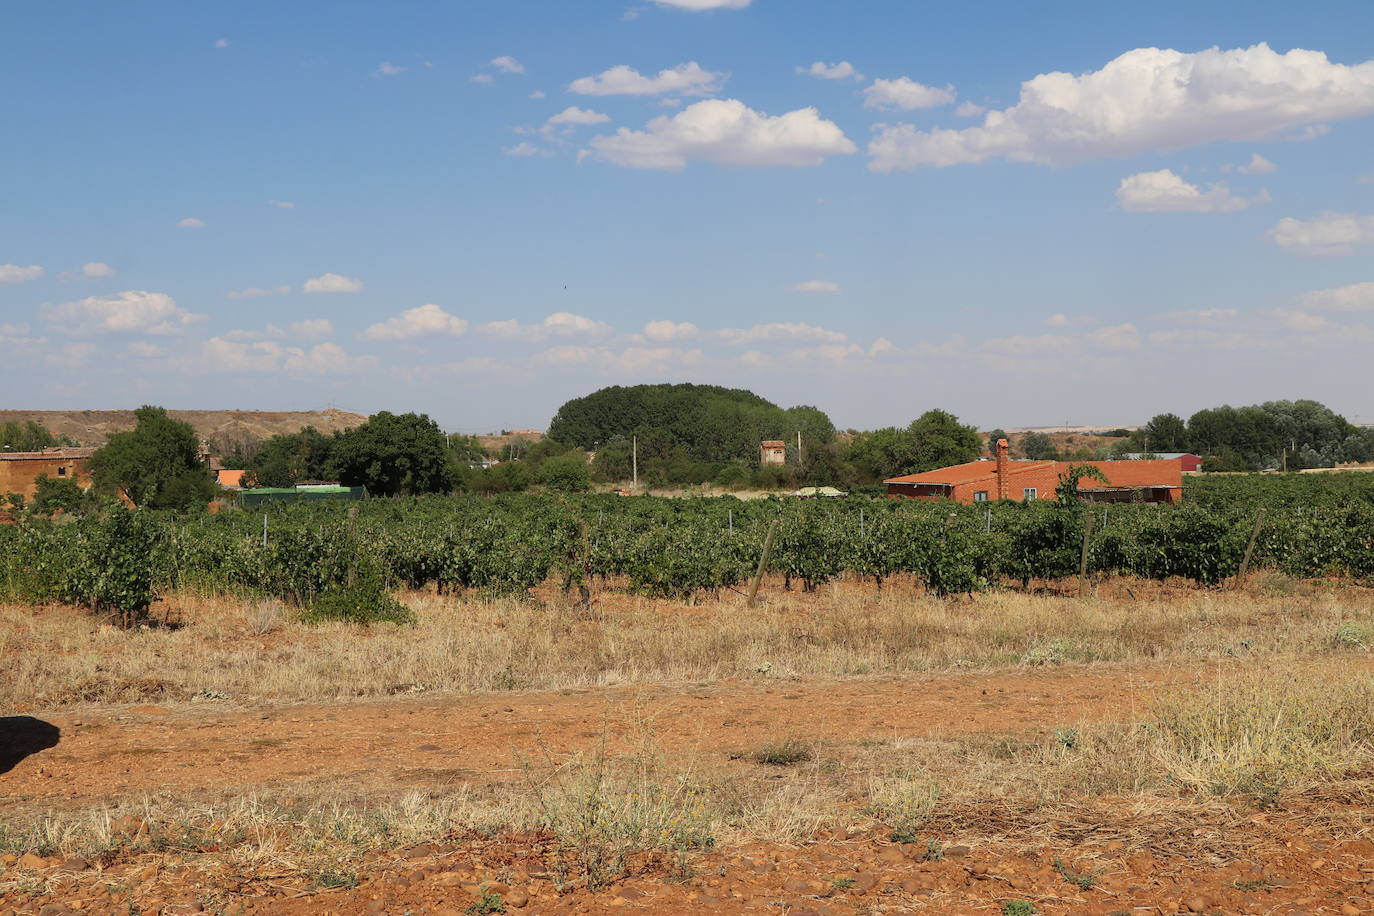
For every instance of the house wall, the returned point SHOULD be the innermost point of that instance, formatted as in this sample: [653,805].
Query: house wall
[1166,477]
[919,491]
[20,475]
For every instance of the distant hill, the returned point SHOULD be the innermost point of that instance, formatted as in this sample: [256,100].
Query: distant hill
[94,427]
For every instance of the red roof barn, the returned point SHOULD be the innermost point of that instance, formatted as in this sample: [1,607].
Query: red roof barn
[978,481]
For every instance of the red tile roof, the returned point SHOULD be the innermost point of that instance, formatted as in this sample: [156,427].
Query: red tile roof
[969,473]
[48,454]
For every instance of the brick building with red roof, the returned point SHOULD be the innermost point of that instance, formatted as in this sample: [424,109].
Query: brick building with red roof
[1002,478]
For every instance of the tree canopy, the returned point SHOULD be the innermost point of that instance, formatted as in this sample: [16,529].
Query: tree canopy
[935,439]
[1292,434]
[392,455]
[1039,447]
[27,437]
[287,459]
[156,464]
[695,423]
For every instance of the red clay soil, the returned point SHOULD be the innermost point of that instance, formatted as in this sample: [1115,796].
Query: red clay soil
[1136,863]
[1288,869]
[115,752]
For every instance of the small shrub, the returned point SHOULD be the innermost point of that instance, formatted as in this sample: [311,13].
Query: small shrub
[904,804]
[1077,879]
[1352,635]
[604,810]
[335,878]
[1018,908]
[783,754]
[364,605]
[487,903]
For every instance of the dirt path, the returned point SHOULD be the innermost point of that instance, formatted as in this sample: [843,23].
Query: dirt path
[432,741]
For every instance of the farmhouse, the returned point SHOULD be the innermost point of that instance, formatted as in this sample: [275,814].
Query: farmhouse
[1022,481]
[773,451]
[19,471]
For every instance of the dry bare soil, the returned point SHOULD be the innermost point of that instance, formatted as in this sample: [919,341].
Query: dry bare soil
[1149,750]
[94,427]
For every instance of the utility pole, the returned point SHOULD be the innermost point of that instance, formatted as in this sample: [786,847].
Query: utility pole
[799,449]
[634,458]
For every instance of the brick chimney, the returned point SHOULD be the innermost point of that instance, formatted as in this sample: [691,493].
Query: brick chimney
[1003,447]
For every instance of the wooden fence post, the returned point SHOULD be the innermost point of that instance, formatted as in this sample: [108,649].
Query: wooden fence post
[1083,557]
[763,561]
[1250,547]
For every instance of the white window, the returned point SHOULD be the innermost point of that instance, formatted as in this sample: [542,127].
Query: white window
[980,496]
[1029,493]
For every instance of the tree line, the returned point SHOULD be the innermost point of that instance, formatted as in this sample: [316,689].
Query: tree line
[681,435]
[1287,435]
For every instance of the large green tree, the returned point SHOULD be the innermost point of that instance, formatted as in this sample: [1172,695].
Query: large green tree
[393,455]
[1165,432]
[1039,447]
[685,424]
[941,440]
[287,459]
[1294,434]
[26,437]
[935,439]
[156,464]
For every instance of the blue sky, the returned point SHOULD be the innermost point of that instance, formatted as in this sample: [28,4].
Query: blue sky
[1030,214]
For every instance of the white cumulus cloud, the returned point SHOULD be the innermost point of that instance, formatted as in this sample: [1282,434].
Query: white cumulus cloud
[559,324]
[507,64]
[785,331]
[97,270]
[13,273]
[906,94]
[388,69]
[315,328]
[222,354]
[136,311]
[191,222]
[726,132]
[698,6]
[421,321]
[574,115]
[1148,99]
[1357,297]
[1327,235]
[817,288]
[332,283]
[1257,165]
[281,204]
[255,292]
[821,70]
[684,79]
[1165,192]
[665,331]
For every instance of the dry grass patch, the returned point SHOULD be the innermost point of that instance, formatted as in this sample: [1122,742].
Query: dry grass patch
[251,651]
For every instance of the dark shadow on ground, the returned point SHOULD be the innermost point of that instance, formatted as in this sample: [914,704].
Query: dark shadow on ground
[24,736]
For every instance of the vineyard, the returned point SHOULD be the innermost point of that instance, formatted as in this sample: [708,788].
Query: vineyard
[312,555]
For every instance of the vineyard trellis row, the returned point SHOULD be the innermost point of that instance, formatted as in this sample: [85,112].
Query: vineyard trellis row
[672,548]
